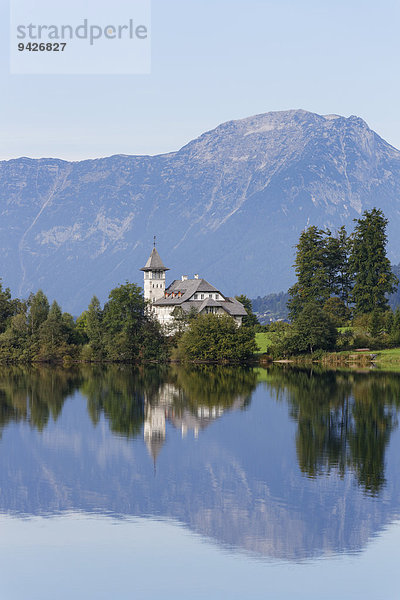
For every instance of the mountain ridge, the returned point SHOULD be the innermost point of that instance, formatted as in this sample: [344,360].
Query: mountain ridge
[230,204]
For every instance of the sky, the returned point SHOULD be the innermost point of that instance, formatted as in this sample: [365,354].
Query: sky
[212,61]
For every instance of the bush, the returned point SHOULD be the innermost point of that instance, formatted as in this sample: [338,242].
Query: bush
[216,339]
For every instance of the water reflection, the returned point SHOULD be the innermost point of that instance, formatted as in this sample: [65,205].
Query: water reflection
[283,463]
[34,395]
[191,399]
[344,420]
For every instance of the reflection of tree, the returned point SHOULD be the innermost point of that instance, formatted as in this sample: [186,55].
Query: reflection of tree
[213,386]
[344,420]
[119,392]
[34,394]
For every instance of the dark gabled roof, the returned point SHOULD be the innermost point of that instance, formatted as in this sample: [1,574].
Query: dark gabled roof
[229,305]
[234,307]
[187,288]
[192,286]
[154,263]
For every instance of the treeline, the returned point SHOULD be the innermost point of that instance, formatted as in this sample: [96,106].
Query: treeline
[273,307]
[36,394]
[343,281]
[122,331]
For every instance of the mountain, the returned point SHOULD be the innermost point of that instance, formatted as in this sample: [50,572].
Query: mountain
[229,205]
[272,307]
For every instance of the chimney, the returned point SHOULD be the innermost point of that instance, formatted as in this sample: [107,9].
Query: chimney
[196,276]
[184,277]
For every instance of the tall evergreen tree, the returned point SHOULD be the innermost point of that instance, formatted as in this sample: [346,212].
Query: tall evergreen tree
[51,335]
[94,328]
[373,277]
[344,275]
[250,320]
[322,269]
[312,276]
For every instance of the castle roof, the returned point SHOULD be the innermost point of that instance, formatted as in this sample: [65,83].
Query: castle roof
[186,289]
[154,262]
[183,297]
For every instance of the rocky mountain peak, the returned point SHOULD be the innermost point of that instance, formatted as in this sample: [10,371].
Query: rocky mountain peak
[229,205]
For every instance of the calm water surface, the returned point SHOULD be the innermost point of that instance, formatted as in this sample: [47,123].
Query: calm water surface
[207,483]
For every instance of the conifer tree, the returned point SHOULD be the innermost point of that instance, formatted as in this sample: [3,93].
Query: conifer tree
[373,277]
[344,275]
[51,333]
[312,274]
[322,269]
[94,328]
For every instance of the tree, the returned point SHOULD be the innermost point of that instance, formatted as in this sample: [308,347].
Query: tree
[314,330]
[395,330]
[337,311]
[375,324]
[94,328]
[250,320]
[214,338]
[310,266]
[123,317]
[389,322]
[127,326]
[38,310]
[6,307]
[373,277]
[344,275]
[322,269]
[51,335]
[181,320]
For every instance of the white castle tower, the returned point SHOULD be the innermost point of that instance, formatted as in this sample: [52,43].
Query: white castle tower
[154,277]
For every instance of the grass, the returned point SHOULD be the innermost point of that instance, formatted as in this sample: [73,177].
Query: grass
[263,341]
[388,358]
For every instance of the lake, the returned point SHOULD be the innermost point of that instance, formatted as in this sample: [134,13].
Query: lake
[212,482]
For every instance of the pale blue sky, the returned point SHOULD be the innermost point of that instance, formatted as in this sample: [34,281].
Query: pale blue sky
[213,60]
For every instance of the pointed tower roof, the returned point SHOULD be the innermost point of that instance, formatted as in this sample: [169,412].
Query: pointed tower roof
[154,263]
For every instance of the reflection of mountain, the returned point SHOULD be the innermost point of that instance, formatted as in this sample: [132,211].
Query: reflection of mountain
[238,483]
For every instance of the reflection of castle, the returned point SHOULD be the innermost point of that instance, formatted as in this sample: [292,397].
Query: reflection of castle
[162,407]
[154,429]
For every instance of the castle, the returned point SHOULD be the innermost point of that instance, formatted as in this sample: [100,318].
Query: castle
[187,294]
